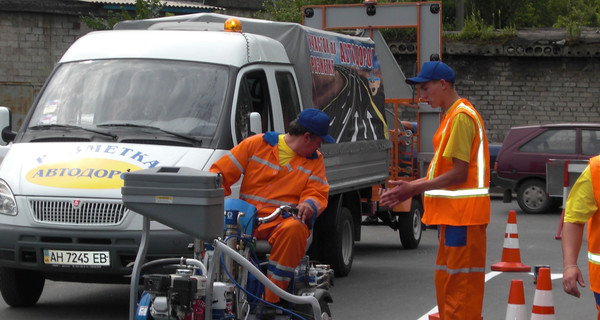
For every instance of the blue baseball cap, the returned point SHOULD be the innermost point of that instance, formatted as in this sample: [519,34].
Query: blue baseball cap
[433,70]
[317,122]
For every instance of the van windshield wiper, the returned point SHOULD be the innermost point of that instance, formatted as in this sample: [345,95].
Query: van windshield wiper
[71,127]
[133,125]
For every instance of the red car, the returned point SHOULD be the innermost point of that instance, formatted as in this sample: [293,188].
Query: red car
[521,163]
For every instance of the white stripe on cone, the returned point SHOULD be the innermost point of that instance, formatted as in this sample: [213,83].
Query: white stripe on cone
[516,312]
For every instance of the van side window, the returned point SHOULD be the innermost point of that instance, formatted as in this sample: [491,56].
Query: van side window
[288,95]
[253,97]
[561,141]
[590,142]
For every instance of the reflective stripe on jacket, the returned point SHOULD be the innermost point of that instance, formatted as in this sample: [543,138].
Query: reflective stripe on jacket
[266,183]
[593,231]
[467,203]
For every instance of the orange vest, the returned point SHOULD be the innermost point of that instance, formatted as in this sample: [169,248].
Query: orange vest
[266,184]
[593,229]
[467,203]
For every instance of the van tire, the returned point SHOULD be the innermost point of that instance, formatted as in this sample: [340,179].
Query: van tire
[410,226]
[338,247]
[21,288]
[532,196]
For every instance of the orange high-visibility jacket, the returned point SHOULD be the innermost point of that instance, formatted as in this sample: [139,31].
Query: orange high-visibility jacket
[593,232]
[467,203]
[266,184]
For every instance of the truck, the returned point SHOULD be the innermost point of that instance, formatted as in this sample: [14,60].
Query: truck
[181,91]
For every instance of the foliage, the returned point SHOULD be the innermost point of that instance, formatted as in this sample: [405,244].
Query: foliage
[290,10]
[282,10]
[476,30]
[144,9]
[579,13]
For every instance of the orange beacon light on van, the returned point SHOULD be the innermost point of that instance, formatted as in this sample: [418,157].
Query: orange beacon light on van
[232,25]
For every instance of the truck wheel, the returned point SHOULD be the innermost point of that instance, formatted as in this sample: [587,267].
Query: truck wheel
[532,196]
[411,228]
[21,288]
[339,246]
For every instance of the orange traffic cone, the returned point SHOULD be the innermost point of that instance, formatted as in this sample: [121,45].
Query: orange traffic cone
[516,301]
[511,255]
[543,303]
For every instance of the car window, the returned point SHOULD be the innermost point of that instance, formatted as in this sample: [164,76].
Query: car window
[590,142]
[561,141]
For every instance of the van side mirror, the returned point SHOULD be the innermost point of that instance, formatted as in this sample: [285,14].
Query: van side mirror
[255,123]
[5,122]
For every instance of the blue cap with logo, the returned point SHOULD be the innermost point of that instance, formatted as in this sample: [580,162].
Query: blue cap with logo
[433,70]
[317,122]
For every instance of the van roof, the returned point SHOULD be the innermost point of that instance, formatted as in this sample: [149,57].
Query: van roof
[227,48]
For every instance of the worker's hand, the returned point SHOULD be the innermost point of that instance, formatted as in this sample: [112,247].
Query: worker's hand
[571,277]
[305,212]
[401,191]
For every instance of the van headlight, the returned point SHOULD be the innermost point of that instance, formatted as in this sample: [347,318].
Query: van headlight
[8,204]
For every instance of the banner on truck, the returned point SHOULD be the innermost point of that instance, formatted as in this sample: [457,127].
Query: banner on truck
[347,85]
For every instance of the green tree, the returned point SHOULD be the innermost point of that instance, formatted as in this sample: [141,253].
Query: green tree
[144,9]
[579,13]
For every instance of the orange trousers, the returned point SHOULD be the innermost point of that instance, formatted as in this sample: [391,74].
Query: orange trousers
[460,271]
[287,238]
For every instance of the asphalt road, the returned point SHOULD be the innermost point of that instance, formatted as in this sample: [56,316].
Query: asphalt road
[386,281]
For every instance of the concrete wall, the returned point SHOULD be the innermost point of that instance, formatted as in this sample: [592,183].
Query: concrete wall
[30,46]
[519,90]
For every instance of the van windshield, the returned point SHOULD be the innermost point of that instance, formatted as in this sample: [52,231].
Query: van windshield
[180,97]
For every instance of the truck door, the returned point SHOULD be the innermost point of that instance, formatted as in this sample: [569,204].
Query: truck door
[270,91]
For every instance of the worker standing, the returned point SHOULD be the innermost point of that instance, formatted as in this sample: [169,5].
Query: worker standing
[582,207]
[456,195]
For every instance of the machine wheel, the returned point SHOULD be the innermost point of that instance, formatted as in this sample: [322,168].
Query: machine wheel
[532,196]
[324,299]
[339,245]
[21,288]
[410,226]
[325,312]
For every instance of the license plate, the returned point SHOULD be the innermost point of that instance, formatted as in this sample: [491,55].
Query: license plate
[77,258]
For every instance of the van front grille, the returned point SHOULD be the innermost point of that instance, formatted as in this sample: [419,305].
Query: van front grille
[78,212]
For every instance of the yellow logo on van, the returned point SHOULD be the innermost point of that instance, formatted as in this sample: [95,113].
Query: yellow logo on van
[86,173]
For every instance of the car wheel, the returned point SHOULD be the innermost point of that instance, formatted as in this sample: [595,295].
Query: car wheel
[532,197]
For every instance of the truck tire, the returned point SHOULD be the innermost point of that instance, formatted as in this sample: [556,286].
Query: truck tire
[21,288]
[410,226]
[532,196]
[338,248]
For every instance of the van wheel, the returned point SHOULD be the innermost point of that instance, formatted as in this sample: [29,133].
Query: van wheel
[410,226]
[21,288]
[532,197]
[338,248]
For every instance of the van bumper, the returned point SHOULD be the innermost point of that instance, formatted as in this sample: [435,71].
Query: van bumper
[23,248]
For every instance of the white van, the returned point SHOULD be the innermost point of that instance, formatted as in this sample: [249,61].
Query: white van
[168,92]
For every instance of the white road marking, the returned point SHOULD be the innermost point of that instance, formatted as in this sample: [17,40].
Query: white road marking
[488,276]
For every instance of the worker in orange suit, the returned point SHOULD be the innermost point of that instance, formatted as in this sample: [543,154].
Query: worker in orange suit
[456,195]
[282,169]
[582,207]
